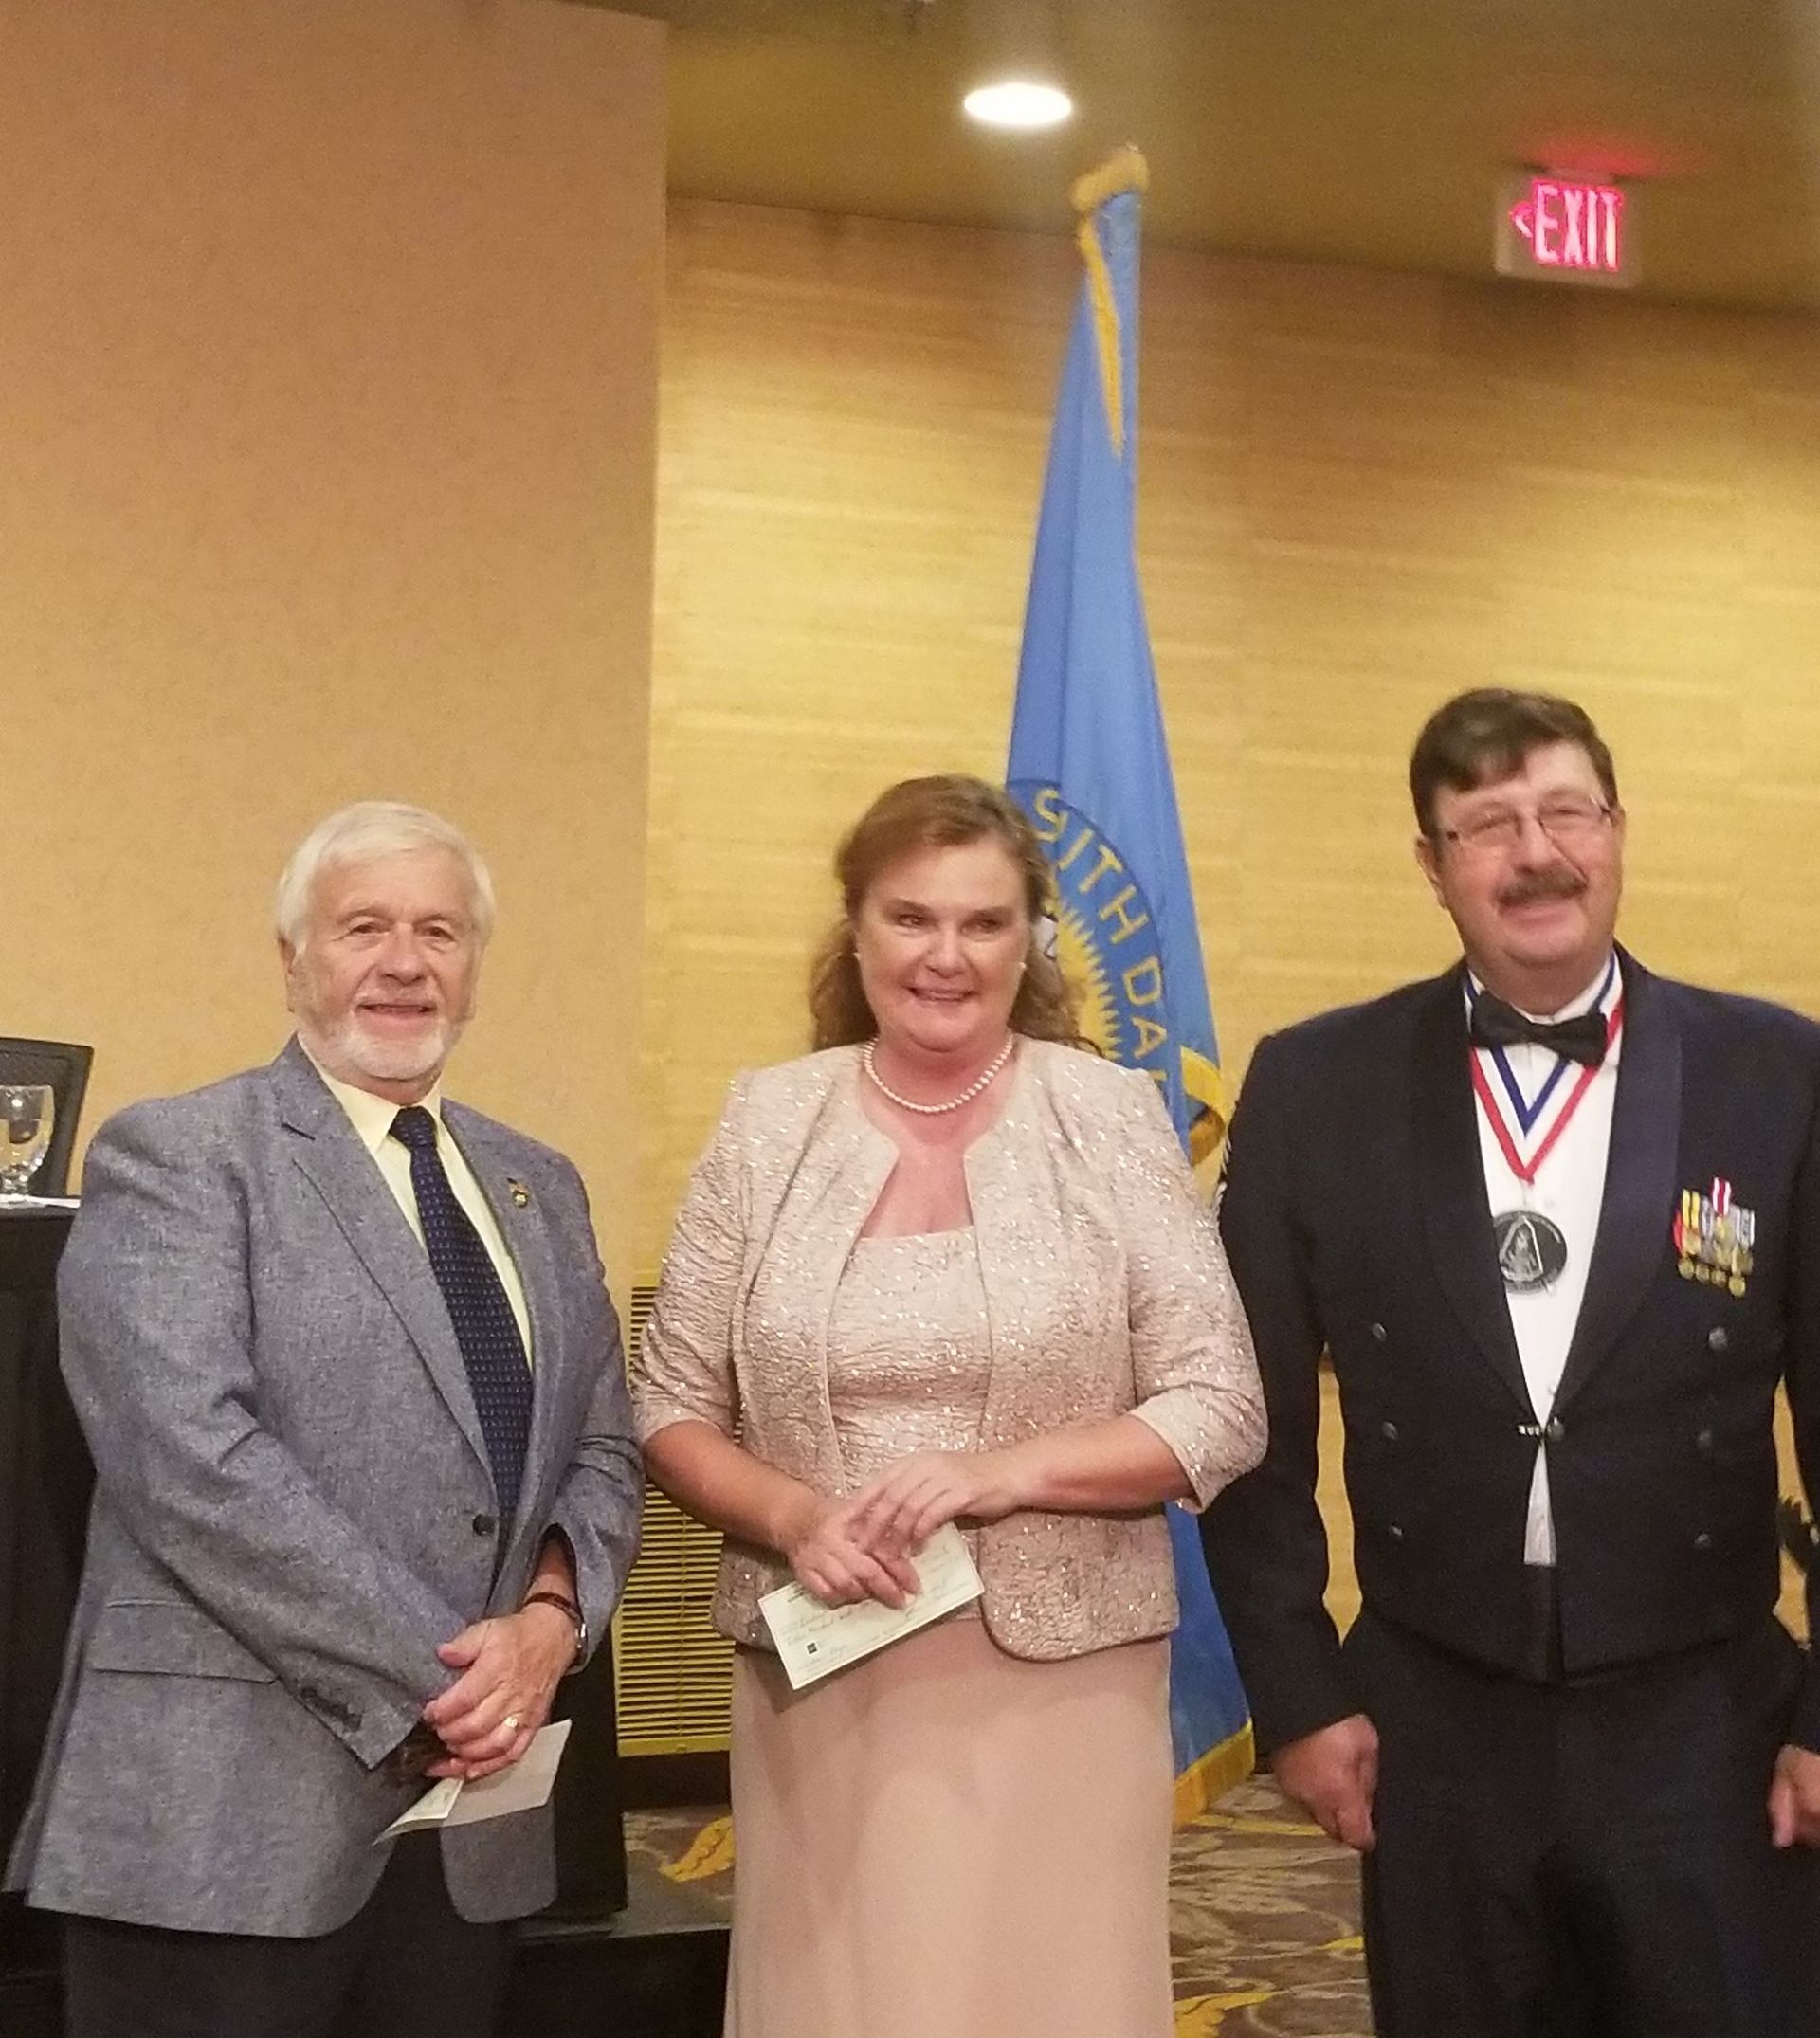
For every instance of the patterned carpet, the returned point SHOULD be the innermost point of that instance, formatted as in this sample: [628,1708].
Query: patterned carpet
[1264,1925]
[1263,1913]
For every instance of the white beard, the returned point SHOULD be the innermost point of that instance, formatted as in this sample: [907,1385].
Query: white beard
[349,1045]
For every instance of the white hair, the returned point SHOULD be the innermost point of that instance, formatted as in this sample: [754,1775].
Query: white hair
[361,834]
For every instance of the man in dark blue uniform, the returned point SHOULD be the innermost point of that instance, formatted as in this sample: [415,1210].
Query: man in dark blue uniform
[1557,1222]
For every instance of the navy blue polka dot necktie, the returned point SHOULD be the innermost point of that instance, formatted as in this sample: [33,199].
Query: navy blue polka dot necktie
[478,1307]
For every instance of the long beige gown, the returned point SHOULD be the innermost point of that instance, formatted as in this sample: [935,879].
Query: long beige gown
[945,1841]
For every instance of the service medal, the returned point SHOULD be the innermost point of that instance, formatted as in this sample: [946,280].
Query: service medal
[1531,1250]
[1714,1237]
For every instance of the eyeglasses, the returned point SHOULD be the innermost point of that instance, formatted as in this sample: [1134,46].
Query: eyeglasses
[1568,820]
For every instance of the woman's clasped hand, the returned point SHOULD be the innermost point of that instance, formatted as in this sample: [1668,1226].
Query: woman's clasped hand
[862,1545]
[841,1558]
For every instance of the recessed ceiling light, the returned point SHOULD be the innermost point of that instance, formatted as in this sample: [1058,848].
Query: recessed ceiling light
[1018,103]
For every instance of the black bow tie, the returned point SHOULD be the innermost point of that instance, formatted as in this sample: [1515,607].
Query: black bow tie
[1497,1024]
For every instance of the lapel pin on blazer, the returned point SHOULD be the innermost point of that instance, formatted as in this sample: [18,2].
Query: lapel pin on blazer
[1713,1237]
[521,1195]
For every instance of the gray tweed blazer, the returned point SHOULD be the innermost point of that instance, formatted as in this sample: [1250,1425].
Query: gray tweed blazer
[294,1506]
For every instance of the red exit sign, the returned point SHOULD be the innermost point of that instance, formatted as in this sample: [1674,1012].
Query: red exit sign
[1565,230]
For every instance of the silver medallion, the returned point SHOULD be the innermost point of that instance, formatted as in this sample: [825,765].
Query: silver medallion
[1531,1250]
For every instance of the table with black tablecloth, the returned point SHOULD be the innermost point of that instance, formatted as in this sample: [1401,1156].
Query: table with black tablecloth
[44,1480]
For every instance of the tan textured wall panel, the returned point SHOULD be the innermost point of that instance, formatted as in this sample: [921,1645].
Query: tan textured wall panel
[328,379]
[1358,493]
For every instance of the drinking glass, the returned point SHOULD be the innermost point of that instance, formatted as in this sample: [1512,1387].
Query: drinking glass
[27,1112]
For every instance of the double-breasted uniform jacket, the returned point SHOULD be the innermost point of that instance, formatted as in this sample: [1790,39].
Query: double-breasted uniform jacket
[1107,1292]
[1356,1219]
[294,1506]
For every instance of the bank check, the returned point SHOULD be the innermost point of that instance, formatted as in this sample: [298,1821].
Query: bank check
[814,1640]
[522,1787]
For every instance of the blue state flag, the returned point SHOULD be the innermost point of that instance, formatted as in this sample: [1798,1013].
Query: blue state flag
[1089,763]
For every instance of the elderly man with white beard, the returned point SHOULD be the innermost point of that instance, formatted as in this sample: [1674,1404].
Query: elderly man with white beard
[365,1491]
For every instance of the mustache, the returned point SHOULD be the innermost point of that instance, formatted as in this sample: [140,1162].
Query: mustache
[1559,883]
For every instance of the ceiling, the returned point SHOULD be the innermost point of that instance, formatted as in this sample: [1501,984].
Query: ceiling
[1357,131]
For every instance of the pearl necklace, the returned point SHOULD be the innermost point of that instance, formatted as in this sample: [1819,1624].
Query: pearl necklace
[929,1111]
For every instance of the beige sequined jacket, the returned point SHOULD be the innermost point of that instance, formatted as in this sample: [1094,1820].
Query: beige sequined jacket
[1107,1292]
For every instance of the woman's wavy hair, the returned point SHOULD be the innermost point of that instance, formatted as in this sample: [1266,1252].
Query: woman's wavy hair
[941,812]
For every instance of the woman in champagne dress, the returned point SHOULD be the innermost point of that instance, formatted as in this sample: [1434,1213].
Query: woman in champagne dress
[951,1266]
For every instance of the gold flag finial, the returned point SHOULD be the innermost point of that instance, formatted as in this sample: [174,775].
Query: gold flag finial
[1124,170]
